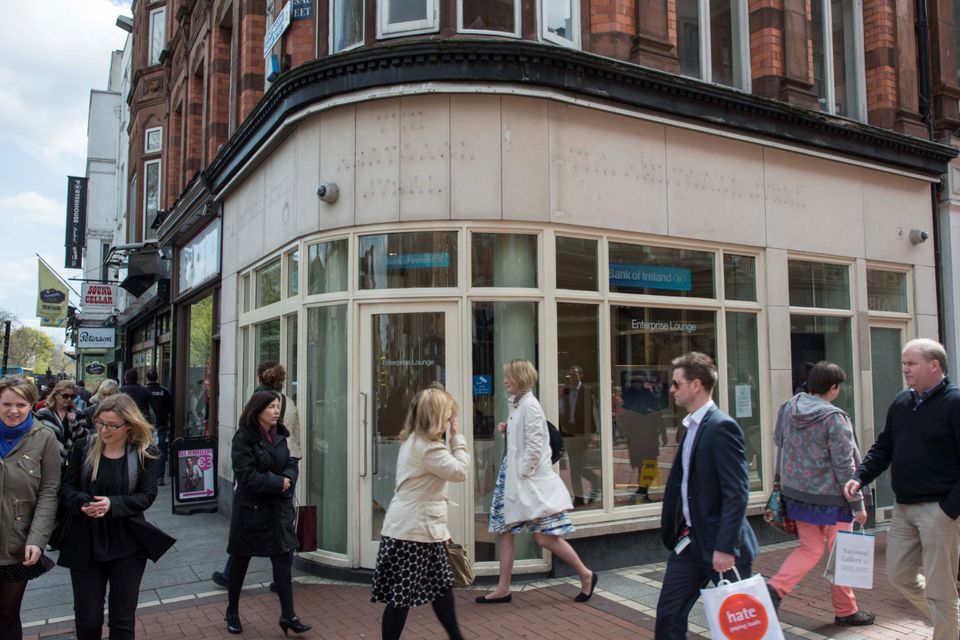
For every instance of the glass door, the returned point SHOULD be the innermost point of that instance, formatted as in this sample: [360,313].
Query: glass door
[886,345]
[404,348]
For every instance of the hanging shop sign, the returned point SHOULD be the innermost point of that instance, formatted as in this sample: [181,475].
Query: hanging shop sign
[98,300]
[76,221]
[193,463]
[52,297]
[96,338]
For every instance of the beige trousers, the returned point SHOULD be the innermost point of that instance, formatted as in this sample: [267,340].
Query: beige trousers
[923,549]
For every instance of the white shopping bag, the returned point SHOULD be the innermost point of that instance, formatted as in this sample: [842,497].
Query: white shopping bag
[741,610]
[851,560]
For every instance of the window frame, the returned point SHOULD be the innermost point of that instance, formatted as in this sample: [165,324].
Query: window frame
[743,81]
[146,140]
[547,36]
[331,32]
[859,63]
[386,29]
[516,33]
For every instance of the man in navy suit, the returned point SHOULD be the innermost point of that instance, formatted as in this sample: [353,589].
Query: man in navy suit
[704,507]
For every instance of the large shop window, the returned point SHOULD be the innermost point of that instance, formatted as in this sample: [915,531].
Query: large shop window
[199,368]
[838,64]
[327,264]
[346,29]
[268,283]
[887,291]
[561,22]
[743,387]
[292,374]
[403,17]
[576,264]
[739,277]
[503,260]
[646,423]
[267,342]
[502,331]
[717,52]
[326,436]
[485,16]
[405,260]
[661,271]
[293,273]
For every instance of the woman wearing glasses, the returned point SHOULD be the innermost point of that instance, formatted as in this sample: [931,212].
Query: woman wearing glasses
[59,415]
[110,481]
[29,477]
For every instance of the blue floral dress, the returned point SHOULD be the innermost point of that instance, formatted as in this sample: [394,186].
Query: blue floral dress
[557,524]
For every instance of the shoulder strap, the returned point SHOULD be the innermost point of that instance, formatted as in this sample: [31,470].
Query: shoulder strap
[283,405]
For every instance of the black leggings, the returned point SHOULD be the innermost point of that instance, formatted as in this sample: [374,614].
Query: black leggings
[444,607]
[281,578]
[11,597]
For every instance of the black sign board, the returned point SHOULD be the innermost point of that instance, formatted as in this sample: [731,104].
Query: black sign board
[73,258]
[76,219]
[301,9]
[193,469]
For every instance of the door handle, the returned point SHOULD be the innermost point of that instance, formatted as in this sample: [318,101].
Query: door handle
[376,451]
[363,430]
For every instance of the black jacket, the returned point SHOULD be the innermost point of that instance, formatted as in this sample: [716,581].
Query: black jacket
[261,523]
[161,401]
[718,493]
[75,491]
[921,445]
[141,395]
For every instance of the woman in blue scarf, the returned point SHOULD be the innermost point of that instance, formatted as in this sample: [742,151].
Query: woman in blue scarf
[29,479]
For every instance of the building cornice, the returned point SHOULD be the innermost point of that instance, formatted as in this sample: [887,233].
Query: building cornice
[574,72]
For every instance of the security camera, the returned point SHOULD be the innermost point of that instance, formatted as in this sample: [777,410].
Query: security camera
[918,236]
[328,192]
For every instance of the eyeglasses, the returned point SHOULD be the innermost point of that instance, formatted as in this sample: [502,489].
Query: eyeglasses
[67,396]
[108,427]
[676,384]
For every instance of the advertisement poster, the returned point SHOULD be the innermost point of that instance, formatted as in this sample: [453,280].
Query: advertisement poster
[195,474]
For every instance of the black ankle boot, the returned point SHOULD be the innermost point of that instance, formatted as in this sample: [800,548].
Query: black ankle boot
[294,624]
[233,623]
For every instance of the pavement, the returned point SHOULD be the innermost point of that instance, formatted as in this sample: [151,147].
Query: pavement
[178,600]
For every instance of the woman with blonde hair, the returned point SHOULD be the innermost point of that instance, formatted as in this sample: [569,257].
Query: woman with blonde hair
[529,495]
[412,565]
[110,481]
[30,476]
[59,414]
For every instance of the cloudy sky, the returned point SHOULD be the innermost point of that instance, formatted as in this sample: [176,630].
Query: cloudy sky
[52,53]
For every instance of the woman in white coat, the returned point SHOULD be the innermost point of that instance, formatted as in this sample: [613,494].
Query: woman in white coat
[529,495]
[412,566]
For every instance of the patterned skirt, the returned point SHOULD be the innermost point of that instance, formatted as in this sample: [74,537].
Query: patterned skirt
[409,574]
[557,524]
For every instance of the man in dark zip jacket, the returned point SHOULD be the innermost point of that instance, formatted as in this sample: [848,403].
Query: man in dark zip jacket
[920,442]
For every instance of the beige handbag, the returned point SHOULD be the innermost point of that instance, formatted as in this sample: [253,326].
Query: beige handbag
[460,565]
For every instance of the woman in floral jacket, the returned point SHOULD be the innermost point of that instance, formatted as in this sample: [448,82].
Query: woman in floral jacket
[817,454]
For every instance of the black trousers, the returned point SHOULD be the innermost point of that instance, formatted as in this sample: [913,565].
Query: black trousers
[11,597]
[89,590]
[681,587]
[282,579]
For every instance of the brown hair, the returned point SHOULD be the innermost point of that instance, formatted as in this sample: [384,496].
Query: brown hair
[697,366]
[272,374]
[20,386]
[54,399]
[257,403]
[823,376]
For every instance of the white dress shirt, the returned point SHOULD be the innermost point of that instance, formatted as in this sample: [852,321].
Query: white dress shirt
[692,423]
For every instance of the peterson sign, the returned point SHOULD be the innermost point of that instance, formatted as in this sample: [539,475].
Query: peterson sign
[96,338]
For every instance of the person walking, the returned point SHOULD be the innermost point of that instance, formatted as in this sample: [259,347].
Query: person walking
[708,536]
[817,454]
[110,481]
[920,444]
[412,565]
[139,393]
[161,402]
[59,414]
[29,479]
[261,523]
[529,495]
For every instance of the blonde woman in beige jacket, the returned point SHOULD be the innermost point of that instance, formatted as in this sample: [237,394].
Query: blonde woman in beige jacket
[412,566]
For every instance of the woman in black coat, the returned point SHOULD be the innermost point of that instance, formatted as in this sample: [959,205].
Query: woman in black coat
[262,520]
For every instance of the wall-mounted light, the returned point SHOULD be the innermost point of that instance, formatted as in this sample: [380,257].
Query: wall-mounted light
[919,236]
[328,192]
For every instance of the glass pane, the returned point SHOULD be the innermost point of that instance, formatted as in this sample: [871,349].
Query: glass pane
[151,197]
[199,371]
[661,271]
[647,424]
[576,264]
[740,277]
[403,260]
[326,433]
[246,293]
[816,338]
[503,260]
[886,291]
[267,343]
[347,24]
[886,345]
[844,52]
[293,273]
[243,368]
[327,267]
[292,338]
[489,15]
[743,388]
[724,52]
[407,10]
[819,54]
[157,35]
[502,331]
[559,18]
[268,284]
[817,284]
[409,354]
[153,140]
[688,37]
[578,359]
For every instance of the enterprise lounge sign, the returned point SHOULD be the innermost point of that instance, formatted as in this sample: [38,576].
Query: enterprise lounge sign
[96,338]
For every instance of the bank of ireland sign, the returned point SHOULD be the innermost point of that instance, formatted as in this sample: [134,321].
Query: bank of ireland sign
[96,338]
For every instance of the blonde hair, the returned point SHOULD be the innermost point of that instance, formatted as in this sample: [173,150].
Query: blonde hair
[428,414]
[522,372]
[57,390]
[140,433]
[105,389]
[20,386]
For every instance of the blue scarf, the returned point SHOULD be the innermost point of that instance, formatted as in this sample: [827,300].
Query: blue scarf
[11,436]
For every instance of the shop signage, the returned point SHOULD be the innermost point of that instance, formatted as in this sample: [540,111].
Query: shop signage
[663,325]
[199,258]
[276,30]
[52,297]
[76,220]
[418,260]
[482,385]
[96,338]
[94,371]
[194,473]
[98,298]
[645,276]
[302,9]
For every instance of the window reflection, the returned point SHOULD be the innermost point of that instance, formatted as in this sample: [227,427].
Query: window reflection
[404,260]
